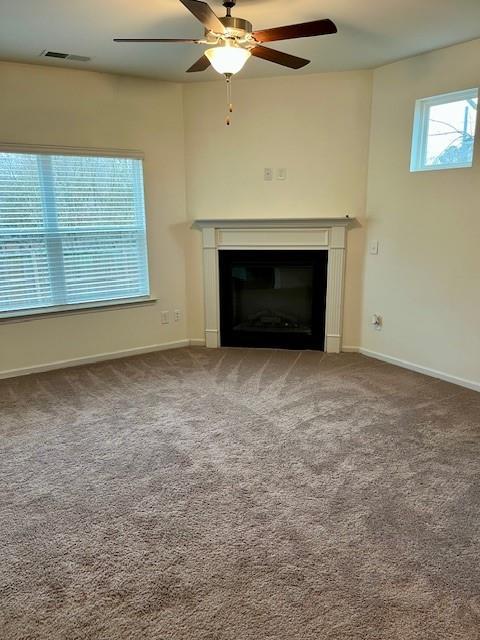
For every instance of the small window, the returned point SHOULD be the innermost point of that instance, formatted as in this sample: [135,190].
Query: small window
[72,232]
[444,131]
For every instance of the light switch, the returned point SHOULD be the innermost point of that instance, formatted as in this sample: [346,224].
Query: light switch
[281,174]
[374,247]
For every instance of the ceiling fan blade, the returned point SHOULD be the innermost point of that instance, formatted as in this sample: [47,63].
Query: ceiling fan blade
[201,64]
[285,59]
[180,40]
[202,12]
[303,30]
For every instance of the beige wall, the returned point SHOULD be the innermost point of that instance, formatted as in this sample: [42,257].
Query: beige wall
[317,126]
[41,105]
[425,280]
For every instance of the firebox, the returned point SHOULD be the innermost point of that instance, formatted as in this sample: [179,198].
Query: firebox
[271,298]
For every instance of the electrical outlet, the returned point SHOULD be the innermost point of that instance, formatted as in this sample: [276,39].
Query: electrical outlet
[268,174]
[177,315]
[377,322]
[165,317]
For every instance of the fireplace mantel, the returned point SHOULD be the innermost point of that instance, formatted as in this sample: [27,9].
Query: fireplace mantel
[328,234]
[276,223]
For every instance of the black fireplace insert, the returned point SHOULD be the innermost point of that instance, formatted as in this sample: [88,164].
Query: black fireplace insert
[273,298]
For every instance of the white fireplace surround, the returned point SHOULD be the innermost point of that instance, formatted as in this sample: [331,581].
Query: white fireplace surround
[327,234]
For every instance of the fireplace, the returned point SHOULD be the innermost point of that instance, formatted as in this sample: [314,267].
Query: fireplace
[273,298]
[246,311]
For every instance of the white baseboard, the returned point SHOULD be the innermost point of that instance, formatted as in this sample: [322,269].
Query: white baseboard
[114,355]
[75,362]
[433,373]
[197,342]
[347,349]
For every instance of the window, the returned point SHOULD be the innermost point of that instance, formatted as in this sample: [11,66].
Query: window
[444,131]
[72,231]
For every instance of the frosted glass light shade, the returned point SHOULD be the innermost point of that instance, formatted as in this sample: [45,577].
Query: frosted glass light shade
[227,59]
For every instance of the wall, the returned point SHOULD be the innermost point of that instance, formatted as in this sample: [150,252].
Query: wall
[425,280]
[48,106]
[317,126]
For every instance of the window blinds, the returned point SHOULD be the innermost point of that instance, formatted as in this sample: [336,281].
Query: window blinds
[72,230]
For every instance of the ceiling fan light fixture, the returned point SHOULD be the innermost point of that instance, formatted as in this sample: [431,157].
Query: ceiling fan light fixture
[228,59]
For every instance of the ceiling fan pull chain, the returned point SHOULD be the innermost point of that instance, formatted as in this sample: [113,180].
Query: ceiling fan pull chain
[228,76]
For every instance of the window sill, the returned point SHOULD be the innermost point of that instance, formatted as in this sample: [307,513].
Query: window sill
[68,310]
[440,167]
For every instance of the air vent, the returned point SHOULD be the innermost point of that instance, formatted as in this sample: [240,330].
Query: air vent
[64,56]
[54,54]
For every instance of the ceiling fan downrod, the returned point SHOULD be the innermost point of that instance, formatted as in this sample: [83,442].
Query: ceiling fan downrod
[229,4]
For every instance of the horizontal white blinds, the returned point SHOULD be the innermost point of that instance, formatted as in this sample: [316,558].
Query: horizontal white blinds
[72,230]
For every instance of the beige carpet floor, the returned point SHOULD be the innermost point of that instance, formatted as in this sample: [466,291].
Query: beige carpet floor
[239,495]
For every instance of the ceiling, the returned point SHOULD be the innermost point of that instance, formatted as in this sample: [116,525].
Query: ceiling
[371,33]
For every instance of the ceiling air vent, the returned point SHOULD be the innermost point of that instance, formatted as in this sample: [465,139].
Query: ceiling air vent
[64,56]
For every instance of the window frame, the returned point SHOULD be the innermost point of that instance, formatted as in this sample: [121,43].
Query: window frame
[32,313]
[37,313]
[420,130]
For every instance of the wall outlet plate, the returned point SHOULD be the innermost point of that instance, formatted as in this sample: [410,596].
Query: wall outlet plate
[377,322]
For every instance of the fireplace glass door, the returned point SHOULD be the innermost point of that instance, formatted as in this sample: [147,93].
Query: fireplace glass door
[273,298]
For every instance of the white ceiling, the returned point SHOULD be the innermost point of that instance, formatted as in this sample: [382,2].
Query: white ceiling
[371,33]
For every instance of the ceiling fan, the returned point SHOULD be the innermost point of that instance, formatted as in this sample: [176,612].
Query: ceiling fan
[239,41]
[232,40]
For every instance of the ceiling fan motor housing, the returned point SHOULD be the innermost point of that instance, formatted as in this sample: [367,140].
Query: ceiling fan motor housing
[237,27]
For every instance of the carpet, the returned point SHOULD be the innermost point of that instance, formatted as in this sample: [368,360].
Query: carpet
[239,494]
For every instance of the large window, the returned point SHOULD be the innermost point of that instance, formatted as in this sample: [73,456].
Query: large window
[72,231]
[444,131]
